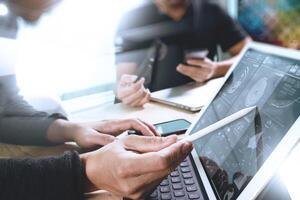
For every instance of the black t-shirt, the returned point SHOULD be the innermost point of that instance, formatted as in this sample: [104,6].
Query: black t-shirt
[209,27]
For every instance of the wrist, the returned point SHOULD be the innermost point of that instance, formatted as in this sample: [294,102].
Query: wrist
[88,186]
[61,131]
[220,69]
[83,159]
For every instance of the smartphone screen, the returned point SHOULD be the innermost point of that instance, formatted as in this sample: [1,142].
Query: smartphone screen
[172,127]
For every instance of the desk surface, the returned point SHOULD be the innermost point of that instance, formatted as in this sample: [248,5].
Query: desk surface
[152,113]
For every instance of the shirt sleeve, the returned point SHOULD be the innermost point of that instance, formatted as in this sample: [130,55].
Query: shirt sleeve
[229,32]
[132,22]
[59,178]
[20,123]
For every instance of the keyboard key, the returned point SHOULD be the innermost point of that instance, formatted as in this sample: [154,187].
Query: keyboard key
[185,169]
[187,175]
[181,198]
[154,194]
[193,196]
[191,188]
[164,189]
[184,164]
[166,196]
[176,179]
[177,186]
[164,182]
[179,193]
[175,174]
[189,181]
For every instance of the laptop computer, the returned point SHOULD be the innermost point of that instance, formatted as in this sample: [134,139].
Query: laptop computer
[238,160]
[191,96]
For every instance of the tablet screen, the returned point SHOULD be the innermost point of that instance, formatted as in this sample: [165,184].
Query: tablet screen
[232,155]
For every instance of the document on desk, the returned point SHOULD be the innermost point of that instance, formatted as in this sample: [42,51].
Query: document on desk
[219,124]
[191,96]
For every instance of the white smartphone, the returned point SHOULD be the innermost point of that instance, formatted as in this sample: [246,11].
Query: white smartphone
[196,54]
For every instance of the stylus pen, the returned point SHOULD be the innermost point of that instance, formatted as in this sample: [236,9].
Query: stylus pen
[150,62]
[219,124]
[145,71]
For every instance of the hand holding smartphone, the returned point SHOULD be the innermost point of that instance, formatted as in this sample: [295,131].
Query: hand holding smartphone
[198,54]
[177,126]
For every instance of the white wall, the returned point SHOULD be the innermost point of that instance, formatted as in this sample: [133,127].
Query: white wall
[231,6]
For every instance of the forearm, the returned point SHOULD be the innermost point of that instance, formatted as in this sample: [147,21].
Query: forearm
[25,130]
[223,66]
[61,177]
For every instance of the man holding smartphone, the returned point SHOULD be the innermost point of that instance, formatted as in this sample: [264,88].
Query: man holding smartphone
[181,25]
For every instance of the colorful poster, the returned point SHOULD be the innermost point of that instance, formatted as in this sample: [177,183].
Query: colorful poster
[272,21]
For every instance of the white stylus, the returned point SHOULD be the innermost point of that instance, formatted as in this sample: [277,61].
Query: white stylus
[217,125]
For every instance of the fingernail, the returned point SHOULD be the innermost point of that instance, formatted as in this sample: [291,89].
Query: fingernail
[171,138]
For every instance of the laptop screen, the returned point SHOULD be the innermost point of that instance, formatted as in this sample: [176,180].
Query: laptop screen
[232,155]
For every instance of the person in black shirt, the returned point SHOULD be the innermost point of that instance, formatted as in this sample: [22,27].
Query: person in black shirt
[180,25]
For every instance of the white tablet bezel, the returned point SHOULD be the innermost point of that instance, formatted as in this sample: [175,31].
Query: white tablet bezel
[283,149]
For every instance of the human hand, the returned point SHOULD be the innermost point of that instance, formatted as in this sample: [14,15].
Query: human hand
[61,131]
[94,134]
[199,70]
[133,166]
[131,93]
[116,127]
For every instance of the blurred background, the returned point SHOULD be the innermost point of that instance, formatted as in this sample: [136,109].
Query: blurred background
[69,53]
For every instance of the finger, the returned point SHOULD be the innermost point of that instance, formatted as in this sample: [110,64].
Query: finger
[176,153]
[146,98]
[126,78]
[136,98]
[111,127]
[144,144]
[132,89]
[198,74]
[100,139]
[127,90]
[136,103]
[200,78]
[141,101]
[116,127]
[151,127]
[200,63]
[188,70]
[136,124]
[165,160]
